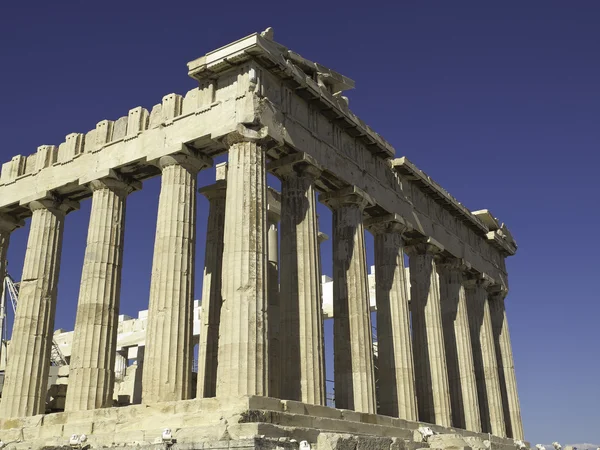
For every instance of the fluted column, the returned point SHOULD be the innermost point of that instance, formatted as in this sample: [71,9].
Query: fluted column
[211,286]
[273,299]
[91,373]
[394,349]
[243,341]
[7,225]
[484,357]
[506,365]
[25,385]
[457,341]
[169,350]
[431,377]
[354,376]
[302,353]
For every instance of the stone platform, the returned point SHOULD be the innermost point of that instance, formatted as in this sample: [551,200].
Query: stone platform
[243,422]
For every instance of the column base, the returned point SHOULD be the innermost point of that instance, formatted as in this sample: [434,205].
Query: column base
[241,422]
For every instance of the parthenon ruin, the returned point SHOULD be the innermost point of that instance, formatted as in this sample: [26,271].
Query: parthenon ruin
[444,358]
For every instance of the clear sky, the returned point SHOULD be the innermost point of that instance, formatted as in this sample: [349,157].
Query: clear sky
[499,102]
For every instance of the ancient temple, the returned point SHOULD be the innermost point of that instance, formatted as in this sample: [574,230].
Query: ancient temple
[445,370]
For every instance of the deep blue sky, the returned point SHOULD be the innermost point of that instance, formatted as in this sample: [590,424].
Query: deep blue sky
[499,102]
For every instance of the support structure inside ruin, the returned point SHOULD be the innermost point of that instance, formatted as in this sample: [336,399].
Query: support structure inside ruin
[444,360]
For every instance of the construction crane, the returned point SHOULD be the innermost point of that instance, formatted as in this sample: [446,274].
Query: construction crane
[11,290]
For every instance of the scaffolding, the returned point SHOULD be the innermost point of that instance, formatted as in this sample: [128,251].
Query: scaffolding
[11,291]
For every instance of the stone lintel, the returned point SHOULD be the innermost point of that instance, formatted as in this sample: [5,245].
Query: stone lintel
[350,195]
[8,223]
[389,223]
[299,163]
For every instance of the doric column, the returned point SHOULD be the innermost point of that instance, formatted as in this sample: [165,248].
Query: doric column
[433,395]
[395,358]
[273,309]
[354,376]
[302,353]
[120,365]
[243,343]
[169,350]
[91,373]
[211,286]
[25,385]
[7,225]
[506,365]
[457,342]
[484,357]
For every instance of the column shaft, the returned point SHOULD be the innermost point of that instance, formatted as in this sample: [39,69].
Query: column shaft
[273,308]
[91,374]
[395,357]
[484,358]
[25,385]
[506,368]
[301,313]
[354,376]
[168,354]
[211,291]
[459,353]
[7,225]
[431,376]
[243,339]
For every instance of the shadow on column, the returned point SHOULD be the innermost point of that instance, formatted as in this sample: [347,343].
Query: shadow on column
[449,316]
[423,376]
[476,311]
[501,375]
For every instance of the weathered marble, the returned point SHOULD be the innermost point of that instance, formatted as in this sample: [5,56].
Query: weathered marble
[24,392]
[91,375]
[397,396]
[243,338]
[506,365]
[457,342]
[354,375]
[208,348]
[273,302]
[431,376]
[302,345]
[169,350]
[484,357]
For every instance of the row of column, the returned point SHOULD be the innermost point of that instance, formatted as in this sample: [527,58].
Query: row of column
[459,331]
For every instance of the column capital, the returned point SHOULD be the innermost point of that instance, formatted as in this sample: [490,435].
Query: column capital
[423,246]
[219,188]
[9,223]
[117,183]
[244,134]
[450,263]
[390,223]
[190,160]
[480,280]
[300,164]
[50,201]
[350,195]
[498,291]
